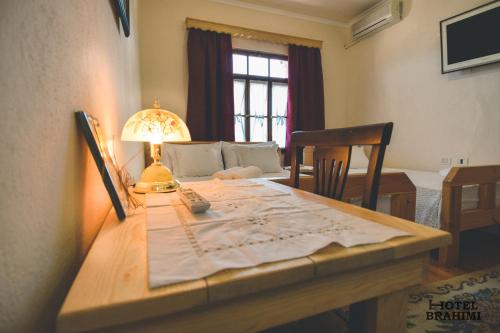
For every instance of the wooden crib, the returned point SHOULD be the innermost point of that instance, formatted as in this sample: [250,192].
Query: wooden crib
[454,219]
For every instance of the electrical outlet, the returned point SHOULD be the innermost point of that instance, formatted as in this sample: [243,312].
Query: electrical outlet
[461,161]
[445,161]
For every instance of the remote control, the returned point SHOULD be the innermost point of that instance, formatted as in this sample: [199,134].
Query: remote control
[193,201]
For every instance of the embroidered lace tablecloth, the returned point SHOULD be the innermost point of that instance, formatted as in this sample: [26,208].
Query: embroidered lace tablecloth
[248,224]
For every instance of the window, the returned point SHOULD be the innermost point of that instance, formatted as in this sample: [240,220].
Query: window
[260,96]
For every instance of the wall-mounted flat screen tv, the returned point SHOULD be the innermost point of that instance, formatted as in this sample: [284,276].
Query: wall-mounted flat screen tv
[471,39]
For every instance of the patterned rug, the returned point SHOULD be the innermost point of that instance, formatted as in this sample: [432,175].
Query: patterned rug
[470,304]
[467,303]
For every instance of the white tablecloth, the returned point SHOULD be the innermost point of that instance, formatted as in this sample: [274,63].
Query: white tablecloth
[247,224]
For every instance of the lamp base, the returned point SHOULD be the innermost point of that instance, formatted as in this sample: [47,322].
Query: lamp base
[156,178]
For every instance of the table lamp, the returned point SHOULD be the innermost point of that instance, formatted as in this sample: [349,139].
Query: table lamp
[155,126]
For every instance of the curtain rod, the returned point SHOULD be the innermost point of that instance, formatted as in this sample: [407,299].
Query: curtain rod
[251,33]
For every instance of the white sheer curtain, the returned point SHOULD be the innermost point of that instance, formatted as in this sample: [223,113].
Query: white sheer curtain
[239,110]
[279,107]
[258,92]
[258,111]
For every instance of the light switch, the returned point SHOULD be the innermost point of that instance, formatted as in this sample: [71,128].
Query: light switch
[461,161]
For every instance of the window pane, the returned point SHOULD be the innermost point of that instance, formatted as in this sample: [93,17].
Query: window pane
[279,131]
[239,97]
[258,109]
[258,66]
[280,98]
[258,129]
[258,98]
[279,68]
[239,64]
[239,128]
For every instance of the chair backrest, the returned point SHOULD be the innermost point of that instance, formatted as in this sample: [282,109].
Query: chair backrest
[332,156]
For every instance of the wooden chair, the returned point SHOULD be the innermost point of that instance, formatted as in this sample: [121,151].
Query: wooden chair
[332,156]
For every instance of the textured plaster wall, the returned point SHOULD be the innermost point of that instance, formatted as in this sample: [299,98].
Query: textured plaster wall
[395,75]
[163,43]
[57,56]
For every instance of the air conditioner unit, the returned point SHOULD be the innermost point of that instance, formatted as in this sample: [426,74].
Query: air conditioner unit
[377,18]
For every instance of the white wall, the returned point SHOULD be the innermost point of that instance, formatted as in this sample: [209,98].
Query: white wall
[395,75]
[57,56]
[163,44]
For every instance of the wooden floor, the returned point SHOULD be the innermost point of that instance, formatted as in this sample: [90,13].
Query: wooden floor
[479,249]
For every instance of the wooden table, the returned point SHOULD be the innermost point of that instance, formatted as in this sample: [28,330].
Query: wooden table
[110,292]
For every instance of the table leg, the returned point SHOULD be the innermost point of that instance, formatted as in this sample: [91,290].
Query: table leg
[383,314]
[448,256]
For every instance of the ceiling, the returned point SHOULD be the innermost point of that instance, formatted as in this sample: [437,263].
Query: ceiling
[336,10]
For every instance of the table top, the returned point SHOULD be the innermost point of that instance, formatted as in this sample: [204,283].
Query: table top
[112,284]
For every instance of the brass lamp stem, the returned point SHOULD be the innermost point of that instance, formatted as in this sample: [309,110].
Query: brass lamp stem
[156,152]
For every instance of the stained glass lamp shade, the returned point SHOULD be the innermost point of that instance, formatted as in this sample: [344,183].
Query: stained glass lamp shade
[155,126]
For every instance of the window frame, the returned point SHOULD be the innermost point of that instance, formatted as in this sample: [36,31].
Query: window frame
[270,80]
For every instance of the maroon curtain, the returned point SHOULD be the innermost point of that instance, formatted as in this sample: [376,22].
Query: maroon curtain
[306,106]
[210,109]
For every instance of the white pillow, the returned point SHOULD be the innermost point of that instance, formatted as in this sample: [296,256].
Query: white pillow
[167,156]
[358,158]
[230,158]
[195,160]
[265,158]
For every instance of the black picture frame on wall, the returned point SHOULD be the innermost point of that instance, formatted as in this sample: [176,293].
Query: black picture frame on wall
[122,7]
[90,128]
